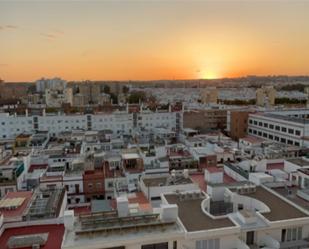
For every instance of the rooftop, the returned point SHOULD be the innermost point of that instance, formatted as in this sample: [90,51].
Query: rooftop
[54,240]
[18,211]
[299,161]
[279,209]
[192,216]
[166,181]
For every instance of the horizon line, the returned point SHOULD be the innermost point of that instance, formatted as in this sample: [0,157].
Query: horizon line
[152,80]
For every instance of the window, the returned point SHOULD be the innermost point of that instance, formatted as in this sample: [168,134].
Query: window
[265,125]
[156,246]
[283,129]
[175,244]
[207,244]
[271,126]
[291,234]
[277,128]
[283,140]
[260,124]
[291,131]
[250,121]
[271,137]
[255,122]
[297,132]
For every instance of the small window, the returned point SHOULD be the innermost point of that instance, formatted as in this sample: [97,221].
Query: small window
[291,131]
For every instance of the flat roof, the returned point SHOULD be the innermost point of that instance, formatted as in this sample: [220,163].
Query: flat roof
[299,161]
[279,209]
[192,216]
[128,156]
[54,240]
[282,117]
[17,212]
[165,181]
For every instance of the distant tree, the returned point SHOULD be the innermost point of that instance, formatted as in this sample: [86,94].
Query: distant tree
[294,87]
[114,98]
[238,102]
[125,89]
[282,101]
[136,96]
[107,89]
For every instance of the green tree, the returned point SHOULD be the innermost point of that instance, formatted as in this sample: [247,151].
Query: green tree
[136,96]
[107,89]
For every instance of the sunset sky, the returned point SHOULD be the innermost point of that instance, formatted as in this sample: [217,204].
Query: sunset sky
[144,40]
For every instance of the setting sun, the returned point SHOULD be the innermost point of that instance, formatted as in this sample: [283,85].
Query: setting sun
[208,74]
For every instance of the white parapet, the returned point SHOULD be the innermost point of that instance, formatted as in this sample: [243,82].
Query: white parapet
[68,218]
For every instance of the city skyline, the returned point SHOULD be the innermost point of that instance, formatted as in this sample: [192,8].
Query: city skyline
[79,40]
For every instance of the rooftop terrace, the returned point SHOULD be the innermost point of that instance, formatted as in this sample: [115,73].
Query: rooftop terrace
[192,216]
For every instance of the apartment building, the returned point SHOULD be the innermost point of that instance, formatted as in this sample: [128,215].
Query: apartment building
[288,127]
[237,123]
[205,120]
[119,122]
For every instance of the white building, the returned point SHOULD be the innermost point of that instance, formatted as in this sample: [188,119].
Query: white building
[241,216]
[118,122]
[289,127]
[53,84]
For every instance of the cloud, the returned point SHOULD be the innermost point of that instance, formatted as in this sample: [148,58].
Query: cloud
[11,26]
[57,32]
[8,27]
[52,35]
[48,35]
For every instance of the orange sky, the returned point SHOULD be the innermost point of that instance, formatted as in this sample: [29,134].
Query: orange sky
[117,40]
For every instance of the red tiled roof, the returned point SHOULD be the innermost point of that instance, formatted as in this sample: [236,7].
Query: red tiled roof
[18,211]
[253,140]
[81,210]
[227,179]
[51,178]
[213,169]
[55,235]
[271,166]
[200,180]
[37,166]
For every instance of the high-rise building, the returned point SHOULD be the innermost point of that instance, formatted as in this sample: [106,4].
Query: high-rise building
[266,96]
[209,95]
